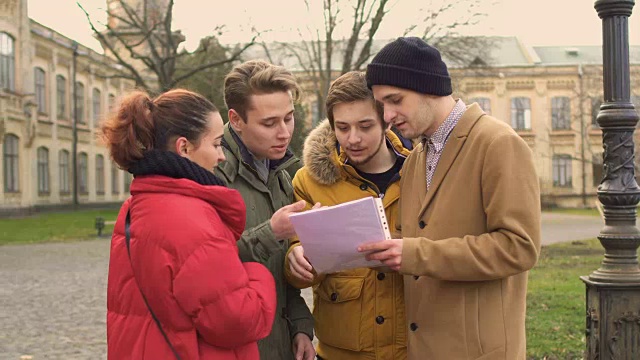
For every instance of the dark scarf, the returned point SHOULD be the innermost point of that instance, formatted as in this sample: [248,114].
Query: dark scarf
[167,163]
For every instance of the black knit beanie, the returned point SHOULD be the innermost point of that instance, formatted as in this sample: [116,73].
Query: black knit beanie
[409,63]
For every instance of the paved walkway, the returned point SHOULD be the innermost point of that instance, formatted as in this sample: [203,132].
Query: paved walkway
[53,300]
[564,227]
[53,303]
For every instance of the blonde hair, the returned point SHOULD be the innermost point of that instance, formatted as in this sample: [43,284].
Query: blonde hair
[256,77]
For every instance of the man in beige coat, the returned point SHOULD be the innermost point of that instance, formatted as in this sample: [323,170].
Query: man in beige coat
[470,213]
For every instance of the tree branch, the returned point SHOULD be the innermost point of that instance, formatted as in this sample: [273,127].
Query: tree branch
[135,74]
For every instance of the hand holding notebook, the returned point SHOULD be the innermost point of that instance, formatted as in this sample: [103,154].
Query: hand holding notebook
[331,235]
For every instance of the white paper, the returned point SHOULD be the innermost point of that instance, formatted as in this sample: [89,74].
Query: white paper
[330,235]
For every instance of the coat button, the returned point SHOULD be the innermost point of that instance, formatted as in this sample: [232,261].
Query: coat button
[334,296]
[363,187]
[422,224]
[380,319]
[416,277]
[413,326]
[381,276]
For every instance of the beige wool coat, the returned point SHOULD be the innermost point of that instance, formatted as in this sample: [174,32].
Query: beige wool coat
[469,242]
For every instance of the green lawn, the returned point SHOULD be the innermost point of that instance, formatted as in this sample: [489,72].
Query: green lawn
[556,300]
[72,225]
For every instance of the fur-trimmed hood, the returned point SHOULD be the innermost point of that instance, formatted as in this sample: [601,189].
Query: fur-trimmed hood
[320,154]
[321,157]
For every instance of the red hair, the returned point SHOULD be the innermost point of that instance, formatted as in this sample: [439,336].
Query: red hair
[141,123]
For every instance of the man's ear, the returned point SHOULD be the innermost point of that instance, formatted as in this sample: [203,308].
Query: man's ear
[236,121]
[182,146]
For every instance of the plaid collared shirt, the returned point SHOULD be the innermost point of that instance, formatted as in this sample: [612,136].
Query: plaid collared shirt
[436,142]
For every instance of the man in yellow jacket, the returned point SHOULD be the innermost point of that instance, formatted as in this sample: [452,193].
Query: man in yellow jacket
[359,314]
[470,206]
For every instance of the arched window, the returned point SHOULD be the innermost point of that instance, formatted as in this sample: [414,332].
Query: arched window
[11,164]
[43,170]
[83,173]
[112,101]
[61,97]
[7,62]
[96,100]
[40,89]
[115,182]
[99,174]
[127,182]
[65,171]
[80,102]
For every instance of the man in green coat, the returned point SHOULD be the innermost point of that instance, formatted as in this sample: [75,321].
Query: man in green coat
[260,98]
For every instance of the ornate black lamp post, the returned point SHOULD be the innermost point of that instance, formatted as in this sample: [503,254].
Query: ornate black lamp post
[613,291]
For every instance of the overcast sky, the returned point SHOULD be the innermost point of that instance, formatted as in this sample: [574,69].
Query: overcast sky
[537,22]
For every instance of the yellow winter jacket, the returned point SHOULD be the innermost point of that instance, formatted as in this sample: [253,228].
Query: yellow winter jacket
[359,314]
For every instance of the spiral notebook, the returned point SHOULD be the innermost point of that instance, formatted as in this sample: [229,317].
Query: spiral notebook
[330,235]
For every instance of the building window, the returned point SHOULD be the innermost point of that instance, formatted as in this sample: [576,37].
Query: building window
[562,170]
[597,169]
[595,109]
[485,103]
[112,101]
[79,102]
[61,96]
[7,62]
[115,183]
[40,89]
[521,113]
[43,170]
[560,113]
[315,114]
[97,104]
[11,165]
[65,171]
[99,174]
[83,173]
[127,182]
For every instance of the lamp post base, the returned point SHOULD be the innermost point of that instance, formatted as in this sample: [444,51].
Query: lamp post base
[613,320]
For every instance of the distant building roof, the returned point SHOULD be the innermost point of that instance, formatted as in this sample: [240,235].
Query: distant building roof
[505,52]
[567,55]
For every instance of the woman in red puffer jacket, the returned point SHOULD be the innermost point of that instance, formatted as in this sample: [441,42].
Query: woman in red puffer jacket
[181,291]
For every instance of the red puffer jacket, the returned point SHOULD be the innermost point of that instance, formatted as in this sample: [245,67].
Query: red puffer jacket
[185,258]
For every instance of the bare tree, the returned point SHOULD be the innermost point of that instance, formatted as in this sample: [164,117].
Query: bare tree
[145,45]
[328,55]
[317,58]
[448,35]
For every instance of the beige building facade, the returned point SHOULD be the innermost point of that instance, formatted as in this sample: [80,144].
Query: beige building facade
[549,95]
[37,114]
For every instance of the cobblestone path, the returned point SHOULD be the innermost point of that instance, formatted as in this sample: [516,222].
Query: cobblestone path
[53,300]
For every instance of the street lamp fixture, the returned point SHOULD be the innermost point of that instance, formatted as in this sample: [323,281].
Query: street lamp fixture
[613,291]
